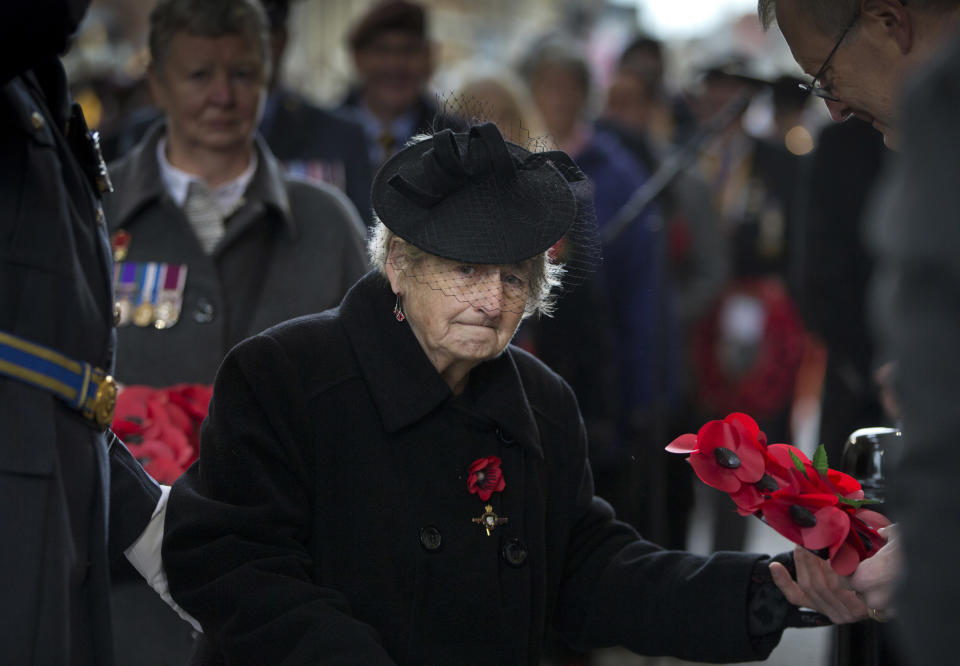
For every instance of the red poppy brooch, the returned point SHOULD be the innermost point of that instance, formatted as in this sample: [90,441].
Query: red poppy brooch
[814,506]
[483,479]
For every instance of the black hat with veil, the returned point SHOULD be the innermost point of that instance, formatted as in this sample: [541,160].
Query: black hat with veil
[474,198]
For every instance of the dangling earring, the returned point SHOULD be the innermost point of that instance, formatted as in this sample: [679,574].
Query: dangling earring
[398,310]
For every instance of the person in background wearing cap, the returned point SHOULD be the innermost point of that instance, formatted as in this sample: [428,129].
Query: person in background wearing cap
[309,141]
[393,58]
[212,240]
[72,498]
[896,65]
[390,482]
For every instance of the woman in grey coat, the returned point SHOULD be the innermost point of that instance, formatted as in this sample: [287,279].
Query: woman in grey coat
[213,242]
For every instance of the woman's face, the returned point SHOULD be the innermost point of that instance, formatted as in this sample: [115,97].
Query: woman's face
[460,313]
[212,90]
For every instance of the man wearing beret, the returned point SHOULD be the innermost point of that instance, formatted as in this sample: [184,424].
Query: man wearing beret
[393,58]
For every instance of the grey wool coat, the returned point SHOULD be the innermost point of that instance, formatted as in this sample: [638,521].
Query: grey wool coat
[328,519]
[292,248]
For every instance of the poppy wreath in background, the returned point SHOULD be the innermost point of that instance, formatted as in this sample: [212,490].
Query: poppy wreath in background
[814,506]
[161,426]
[766,386]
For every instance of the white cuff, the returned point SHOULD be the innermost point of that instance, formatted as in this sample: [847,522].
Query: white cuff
[144,555]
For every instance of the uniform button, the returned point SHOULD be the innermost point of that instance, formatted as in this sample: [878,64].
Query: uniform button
[430,538]
[37,120]
[205,312]
[505,437]
[116,315]
[99,215]
[514,553]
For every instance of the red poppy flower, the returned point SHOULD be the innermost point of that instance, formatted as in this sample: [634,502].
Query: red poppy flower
[812,520]
[725,454]
[485,477]
[862,542]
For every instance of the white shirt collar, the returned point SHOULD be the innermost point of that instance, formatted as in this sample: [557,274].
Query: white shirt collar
[176,181]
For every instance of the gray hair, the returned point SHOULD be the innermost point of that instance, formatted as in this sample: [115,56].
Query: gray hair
[832,16]
[207,18]
[544,276]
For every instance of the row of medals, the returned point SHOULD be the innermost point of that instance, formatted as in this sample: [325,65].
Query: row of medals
[162,315]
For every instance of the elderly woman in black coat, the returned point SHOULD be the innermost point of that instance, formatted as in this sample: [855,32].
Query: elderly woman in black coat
[390,482]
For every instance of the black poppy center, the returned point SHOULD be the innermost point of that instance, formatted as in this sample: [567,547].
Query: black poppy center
[481,475]
[767,484]
[726,458]
[802,516]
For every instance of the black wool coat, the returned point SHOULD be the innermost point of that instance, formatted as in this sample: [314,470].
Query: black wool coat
[328,519]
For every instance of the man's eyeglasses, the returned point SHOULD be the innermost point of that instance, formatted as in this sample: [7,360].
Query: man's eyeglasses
[814,86]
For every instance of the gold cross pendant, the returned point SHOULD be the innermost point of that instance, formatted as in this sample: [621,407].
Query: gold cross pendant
[489,519]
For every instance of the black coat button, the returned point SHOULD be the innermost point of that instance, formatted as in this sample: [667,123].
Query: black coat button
[431,539]
[514,553]
[505,437]
[205,311]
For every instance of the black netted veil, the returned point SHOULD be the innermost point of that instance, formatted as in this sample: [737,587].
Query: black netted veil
[473,198]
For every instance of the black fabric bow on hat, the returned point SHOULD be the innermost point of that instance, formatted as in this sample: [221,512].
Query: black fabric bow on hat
[476,198]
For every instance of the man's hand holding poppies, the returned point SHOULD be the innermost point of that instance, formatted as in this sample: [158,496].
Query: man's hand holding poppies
[819,588]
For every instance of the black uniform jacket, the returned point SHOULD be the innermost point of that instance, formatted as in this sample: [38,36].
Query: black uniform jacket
[57,475]
[329,520]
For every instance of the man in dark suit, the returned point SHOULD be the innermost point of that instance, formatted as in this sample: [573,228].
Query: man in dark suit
[63,477]
[865,57]
[918,237]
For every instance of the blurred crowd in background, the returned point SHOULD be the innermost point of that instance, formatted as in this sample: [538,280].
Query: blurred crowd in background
[715,183]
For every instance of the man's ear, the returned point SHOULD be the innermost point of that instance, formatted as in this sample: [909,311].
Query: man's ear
[892,19]
[394,264]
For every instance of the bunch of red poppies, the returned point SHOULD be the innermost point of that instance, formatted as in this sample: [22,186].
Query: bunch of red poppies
[805,501]
[161,426]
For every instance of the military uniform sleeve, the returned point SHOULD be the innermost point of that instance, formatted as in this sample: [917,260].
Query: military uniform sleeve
[238,524]
[32,30]
[133,497]
[622,590]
